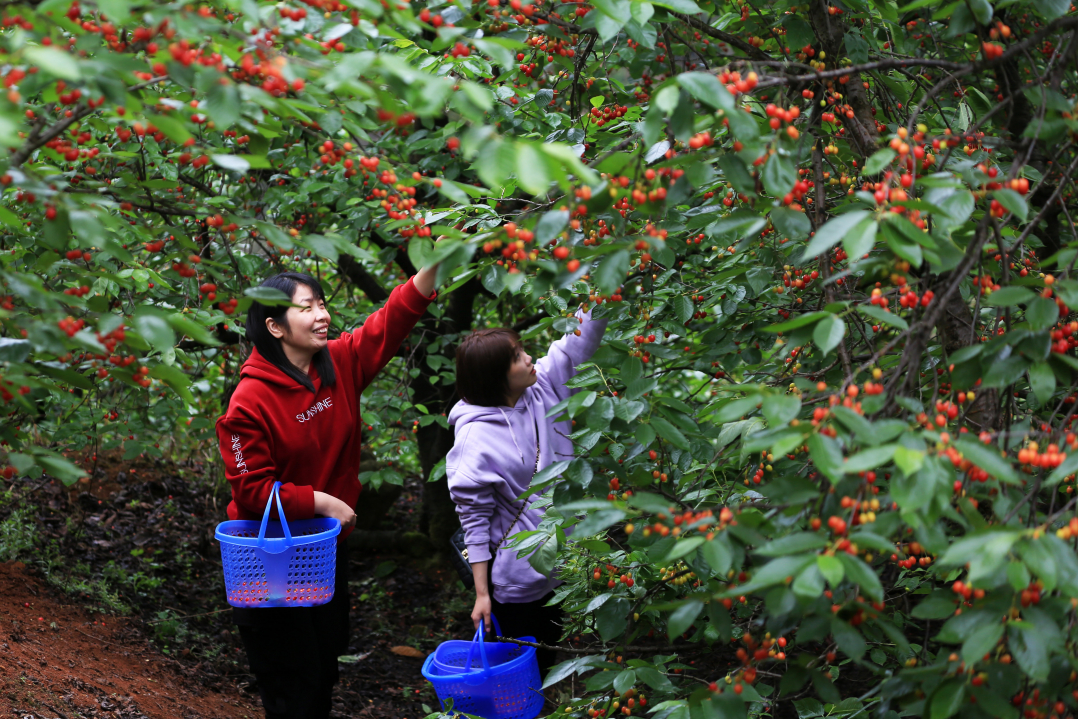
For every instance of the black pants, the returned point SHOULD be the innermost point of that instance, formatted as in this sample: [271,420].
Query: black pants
[531,619]
[293,651]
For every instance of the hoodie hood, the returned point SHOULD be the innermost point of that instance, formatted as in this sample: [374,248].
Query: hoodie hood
[260,368]
[511,419]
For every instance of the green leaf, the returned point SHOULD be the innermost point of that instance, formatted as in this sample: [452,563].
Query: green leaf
[452,192]
[1005,372]
[800,321]
[832,232]
[793,543]
[809,584]
[774,572]
[716,552]
[827,456]
[497,52]
[1069,467]
[13,350]
[883,316]
[683,617]
[683,6]
[54,61]
[531,169]
[598,520]
[61,468]
[669,432]
[861,574]
[938,605]
[233,163]
[1042,380]
[987,459]
[849,640]
[624,681]
[779,175]
[612,618]
[981,642]
[779,409]
[791,223]
[1051,9]
[1030,649]
[860,239]
[909,460]
[828,333]
[870,458]
[268,296]
[608,27]
[982,11]
[947,699]
[880,160]
[193,330]
[706,88]
[155,329]
[223,105]
[573,666]
[683,547]
[610,274]
[831,568]
[1042,313]
[176,379]
[1009,198]
[1009,296]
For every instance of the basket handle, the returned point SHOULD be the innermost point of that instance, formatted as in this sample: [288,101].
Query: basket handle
[274,493]
[478,641]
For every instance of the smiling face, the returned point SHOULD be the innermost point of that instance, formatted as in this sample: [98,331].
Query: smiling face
[305,328]
[521,375]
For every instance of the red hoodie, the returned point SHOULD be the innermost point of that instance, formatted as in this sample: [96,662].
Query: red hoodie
[275,429]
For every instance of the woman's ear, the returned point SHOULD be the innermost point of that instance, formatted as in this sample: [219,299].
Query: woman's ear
[274,329]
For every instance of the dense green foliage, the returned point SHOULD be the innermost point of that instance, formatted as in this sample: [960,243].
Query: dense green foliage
[836,395]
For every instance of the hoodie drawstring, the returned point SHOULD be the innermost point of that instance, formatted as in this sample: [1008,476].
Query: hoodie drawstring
[512,434]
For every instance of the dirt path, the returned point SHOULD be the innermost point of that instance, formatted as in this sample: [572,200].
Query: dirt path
[56,660]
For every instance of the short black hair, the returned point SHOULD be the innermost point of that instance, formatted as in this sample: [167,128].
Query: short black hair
[483,362]
[270,346]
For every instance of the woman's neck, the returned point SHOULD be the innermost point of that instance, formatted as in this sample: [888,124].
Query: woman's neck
[300,359]
[513,398]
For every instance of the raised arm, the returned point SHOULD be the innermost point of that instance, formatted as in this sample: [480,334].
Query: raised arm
[565,354]
[377,341]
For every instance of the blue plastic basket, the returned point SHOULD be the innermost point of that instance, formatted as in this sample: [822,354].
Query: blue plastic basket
[268,564]
[494,681]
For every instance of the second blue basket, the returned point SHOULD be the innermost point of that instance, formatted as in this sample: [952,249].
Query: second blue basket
[494,681]
[270,564]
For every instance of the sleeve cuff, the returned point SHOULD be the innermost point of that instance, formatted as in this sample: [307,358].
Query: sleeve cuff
[478,553]
[301,502]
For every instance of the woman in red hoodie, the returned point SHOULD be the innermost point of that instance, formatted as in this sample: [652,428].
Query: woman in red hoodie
[294,418]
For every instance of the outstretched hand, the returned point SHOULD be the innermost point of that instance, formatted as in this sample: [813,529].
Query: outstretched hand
[425,279]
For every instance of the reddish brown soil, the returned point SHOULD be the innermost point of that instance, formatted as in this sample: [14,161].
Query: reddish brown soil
[56,660]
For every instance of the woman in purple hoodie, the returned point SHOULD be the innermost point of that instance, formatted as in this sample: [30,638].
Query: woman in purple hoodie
[502,437]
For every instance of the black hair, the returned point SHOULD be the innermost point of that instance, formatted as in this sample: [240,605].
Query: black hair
[270,346]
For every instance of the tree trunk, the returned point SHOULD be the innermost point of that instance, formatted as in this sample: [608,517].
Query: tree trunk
[438,515]
[830,32]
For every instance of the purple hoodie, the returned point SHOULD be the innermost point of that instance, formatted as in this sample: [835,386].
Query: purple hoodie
[493,459]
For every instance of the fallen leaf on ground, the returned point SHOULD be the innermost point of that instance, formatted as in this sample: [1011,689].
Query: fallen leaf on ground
[405,651]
